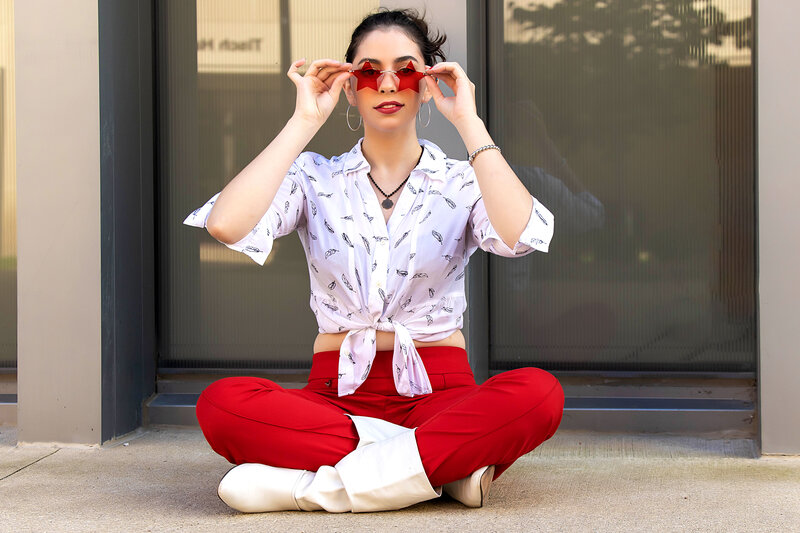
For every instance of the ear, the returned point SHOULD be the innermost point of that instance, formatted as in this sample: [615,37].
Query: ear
[350,91]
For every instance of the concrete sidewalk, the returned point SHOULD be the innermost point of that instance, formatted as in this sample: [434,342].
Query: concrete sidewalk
[165,479]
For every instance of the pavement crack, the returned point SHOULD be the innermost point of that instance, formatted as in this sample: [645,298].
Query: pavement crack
[26,466]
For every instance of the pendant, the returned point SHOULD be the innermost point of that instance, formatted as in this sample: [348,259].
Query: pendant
[387,204]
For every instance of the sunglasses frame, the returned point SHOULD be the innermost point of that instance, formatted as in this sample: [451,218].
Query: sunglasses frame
[402,83]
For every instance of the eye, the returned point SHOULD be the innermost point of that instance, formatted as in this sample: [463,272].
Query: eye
[369,72]
[406,71]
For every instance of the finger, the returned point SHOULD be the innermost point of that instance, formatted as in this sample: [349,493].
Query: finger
[451,67]
[292,72]
[318,65]
[448,80]
[329,74]
[338,83]
[452,74]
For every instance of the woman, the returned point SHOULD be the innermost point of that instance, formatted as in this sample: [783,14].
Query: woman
[391,415]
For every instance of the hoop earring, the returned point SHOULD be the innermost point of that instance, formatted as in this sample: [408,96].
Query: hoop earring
[347,117]
[419,115]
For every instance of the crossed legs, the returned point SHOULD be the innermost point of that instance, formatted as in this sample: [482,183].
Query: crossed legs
[254,420]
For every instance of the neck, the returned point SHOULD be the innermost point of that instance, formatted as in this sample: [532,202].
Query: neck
[391,155]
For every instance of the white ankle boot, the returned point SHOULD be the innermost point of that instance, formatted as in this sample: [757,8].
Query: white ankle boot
[258,488]
[379,475]
[473,490]
[386,475]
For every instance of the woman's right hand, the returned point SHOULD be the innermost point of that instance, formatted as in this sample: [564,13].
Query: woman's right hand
[319,88]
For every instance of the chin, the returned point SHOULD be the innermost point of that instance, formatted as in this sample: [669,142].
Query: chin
[392,123]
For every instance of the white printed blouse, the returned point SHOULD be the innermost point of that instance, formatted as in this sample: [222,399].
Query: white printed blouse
[405,276]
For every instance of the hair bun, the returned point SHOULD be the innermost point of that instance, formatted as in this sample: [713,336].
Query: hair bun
[409,21]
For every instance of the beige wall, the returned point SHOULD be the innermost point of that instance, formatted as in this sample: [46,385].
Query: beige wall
[778,226]
[58,209]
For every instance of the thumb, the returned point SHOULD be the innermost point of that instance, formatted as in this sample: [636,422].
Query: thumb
[336,87]
[433,85]
[293,74]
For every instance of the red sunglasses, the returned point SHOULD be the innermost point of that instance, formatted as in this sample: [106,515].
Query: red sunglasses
[371,78]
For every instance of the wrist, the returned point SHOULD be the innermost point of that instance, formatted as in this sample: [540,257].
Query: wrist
[474,134]
[305,122]
[298,132]
[469,124]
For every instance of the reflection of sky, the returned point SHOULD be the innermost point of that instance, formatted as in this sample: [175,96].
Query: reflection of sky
[729,53]
[726,52]
[732,9]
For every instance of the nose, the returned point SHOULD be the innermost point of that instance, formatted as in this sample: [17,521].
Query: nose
[388,83]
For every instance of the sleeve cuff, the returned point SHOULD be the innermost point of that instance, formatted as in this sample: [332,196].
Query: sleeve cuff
[536,235]
[256,245]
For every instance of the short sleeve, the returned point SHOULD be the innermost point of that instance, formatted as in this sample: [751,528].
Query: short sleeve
[536,236]
[286,213]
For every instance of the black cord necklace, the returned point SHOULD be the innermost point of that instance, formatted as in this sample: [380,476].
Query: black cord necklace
[387,203]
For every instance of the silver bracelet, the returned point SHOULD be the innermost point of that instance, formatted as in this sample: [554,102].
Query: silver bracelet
[481,149]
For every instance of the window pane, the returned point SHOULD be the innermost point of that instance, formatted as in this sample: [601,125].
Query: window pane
[223,96]
[633,122]
[8,191]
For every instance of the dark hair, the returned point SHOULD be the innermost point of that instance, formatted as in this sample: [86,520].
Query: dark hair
[407,20]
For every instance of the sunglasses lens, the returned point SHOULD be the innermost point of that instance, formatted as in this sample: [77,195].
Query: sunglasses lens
[368,74]
[371,78]
[408,71]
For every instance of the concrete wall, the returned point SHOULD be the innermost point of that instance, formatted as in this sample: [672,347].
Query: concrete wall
[58,221]
[449,16]
[778,80]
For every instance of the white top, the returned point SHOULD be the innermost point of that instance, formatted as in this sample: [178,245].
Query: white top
[405,276]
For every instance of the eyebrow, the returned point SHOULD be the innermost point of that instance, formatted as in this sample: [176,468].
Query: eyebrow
[399,59]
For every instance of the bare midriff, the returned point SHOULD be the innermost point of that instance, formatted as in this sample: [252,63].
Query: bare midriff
[384,340]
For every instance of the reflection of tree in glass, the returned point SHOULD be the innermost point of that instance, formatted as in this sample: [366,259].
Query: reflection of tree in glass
[651,103]
[635,97]
[676,30]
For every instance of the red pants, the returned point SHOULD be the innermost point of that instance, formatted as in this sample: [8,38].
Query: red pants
[461,426]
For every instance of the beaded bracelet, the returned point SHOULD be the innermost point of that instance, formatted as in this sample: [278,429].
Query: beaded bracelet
[481,149]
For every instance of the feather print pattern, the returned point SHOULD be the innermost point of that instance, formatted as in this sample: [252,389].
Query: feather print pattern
[408,276]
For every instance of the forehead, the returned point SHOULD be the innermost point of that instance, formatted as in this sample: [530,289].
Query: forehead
[387,44]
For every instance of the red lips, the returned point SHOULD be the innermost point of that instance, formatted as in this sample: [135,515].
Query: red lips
[389,107]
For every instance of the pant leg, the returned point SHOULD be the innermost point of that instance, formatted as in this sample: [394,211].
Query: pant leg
[462,429]
[255,420]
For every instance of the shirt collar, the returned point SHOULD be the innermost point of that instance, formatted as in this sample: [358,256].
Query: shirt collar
[432,162]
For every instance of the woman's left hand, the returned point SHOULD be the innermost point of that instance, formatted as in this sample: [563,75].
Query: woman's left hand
[461,107]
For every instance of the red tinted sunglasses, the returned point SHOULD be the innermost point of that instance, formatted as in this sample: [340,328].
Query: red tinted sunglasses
[371,78]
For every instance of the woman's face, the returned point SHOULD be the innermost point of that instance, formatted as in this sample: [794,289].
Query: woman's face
[390,106]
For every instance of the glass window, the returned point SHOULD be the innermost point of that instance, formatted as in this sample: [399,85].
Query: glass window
[223,96]
[633,122]
[8,191]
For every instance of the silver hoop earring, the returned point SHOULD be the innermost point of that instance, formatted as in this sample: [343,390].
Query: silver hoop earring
[419,115]
[347,116]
